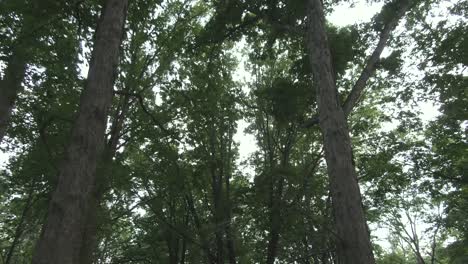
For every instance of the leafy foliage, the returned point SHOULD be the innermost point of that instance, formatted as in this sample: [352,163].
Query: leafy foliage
[176,185]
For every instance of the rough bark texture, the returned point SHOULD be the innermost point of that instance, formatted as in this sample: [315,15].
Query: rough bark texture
[353,242]
[217,185]
[90,237]
[371,64]
[62,234]
[10,86]
[89,241]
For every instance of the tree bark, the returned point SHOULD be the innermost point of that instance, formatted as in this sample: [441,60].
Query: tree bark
[90,238]
[353,243]
[230,241]
[62,234]
[10,86]
[371,64]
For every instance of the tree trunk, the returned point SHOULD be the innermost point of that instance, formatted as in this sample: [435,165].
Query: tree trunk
[203,239]
[276,205]
[90,237]
[62,234]
[217,194]
[218,218]
[173,247]
[230,242]
[353,243]
[229,235]
[228,203]
[89,241]
[10,86]
[183,250]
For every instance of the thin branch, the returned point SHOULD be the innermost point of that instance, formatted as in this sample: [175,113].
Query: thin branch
[371,64]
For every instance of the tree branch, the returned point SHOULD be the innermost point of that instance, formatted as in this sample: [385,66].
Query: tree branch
[371,63]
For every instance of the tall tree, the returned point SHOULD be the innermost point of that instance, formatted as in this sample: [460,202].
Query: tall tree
[18,55]
[30,28]
[10,85]
[353,241]
[63,231]
[170,184]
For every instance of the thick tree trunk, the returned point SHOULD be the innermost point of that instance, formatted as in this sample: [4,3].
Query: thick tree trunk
[10,86]
[172,237]
[89,241]
[62,234]
[90,237]
[353,243]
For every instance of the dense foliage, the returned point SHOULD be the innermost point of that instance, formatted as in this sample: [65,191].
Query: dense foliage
[181,181]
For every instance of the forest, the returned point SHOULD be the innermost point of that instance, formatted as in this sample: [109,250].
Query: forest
[233,131]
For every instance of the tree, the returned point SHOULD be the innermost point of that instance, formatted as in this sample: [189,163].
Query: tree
[333,133]
[353,243]
[63,231]
[28,24]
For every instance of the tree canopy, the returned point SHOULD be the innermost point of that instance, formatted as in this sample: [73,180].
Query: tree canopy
[189,131]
